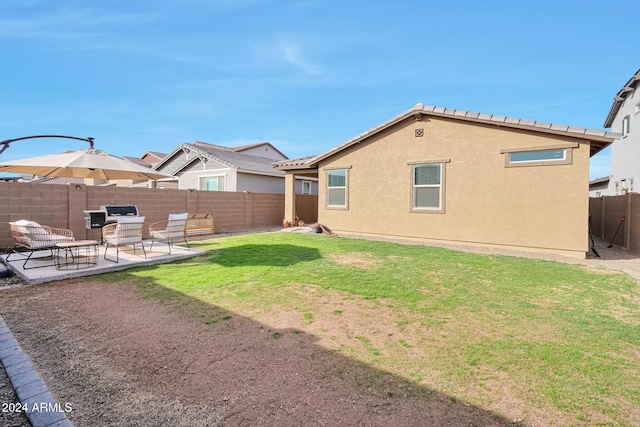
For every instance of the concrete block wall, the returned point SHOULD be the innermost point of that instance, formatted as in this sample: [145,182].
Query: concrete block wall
[307,208]
[606,217]
[63,205]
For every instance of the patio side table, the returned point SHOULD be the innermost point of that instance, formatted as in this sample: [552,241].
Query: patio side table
[76,255]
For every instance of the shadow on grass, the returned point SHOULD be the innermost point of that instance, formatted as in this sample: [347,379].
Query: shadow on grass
[265,255]
[176,347]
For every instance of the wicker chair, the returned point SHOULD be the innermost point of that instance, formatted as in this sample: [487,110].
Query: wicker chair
[170,230]
[127,231]
[34,237]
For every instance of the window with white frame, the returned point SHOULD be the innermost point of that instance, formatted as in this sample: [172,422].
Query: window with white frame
[427,187]
[560,154]
[212,183]
[306,187]
[626,122]
[337,188]
[638,108]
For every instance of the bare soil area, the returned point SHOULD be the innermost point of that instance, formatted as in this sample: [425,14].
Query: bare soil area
[121,359]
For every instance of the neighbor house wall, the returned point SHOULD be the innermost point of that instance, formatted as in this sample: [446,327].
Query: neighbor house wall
[542,208]
[625,151]
[62,206]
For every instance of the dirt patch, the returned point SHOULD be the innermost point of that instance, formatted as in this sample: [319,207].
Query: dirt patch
[356,259]
[121,359]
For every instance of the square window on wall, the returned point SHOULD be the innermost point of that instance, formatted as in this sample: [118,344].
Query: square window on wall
[306,187]
[212,183]
[337,188]
[427,192]
[626,125]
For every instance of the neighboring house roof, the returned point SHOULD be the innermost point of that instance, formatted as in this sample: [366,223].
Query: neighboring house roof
[241,148]
[237,161]
[620,97]
[599,181]
[138,161]
[58,180]
[599,139]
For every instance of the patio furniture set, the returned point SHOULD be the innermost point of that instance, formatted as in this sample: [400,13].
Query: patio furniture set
[68,253]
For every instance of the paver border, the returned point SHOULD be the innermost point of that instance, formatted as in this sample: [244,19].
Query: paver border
[31,390]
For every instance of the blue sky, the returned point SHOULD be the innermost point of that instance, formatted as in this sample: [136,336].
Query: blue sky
[304,75]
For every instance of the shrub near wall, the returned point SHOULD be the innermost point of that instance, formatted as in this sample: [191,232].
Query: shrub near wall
[63,205]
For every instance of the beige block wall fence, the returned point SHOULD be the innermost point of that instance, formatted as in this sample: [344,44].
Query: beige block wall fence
[62,206]
[606,217]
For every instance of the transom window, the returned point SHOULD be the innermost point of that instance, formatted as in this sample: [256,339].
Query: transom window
[557,154]
[212,183]
[537,156]
[337,188]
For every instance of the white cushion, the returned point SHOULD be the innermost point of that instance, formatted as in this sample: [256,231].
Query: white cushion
[130,219]
[178,216]
[23,224]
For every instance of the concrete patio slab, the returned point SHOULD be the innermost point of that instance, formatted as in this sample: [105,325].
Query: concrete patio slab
[128,259]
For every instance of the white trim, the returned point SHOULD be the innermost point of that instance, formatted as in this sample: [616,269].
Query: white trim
[224,175]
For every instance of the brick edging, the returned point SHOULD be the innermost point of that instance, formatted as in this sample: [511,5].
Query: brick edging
[40,406]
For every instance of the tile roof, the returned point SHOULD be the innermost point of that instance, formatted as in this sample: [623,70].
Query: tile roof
[238,161]
[620,97]
[599,138]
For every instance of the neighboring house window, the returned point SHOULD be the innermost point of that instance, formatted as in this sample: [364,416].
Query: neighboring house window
[625,126]
[427,186]
[306,187]
[337,188]
[539,156]
[616,188]
[630,184]
[212,183]
[638,108]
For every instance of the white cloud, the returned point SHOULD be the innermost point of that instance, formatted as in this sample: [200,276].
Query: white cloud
[292,53]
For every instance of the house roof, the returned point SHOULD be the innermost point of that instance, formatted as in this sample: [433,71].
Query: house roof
[241,148]
[238,161]
[58,180]
[138,161]
[598,139]
[599,181]
[622,94]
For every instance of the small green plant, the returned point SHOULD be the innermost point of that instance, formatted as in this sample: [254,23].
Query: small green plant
[374,351]
[337,312]
[277,335]
[308,317]
[404,344]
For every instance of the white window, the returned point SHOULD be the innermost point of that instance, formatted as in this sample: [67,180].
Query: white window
[427,186]
[537,156]
[337,188]
[625,126]
[212,183]
[306,187]
[638,108]
[559,154]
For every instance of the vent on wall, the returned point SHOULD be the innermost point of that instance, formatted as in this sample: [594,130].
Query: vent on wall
[419,133]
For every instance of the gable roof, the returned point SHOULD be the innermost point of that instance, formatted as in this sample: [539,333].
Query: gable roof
[237,161]
[598,139]
[241,148]
[622,94]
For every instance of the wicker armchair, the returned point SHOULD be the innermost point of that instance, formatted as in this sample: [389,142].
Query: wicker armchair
[170,230]
[125,232]
[32,237]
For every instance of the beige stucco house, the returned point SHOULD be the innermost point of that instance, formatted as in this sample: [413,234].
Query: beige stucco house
[458,177]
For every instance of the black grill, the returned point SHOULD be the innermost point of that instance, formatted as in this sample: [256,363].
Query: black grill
[107,214]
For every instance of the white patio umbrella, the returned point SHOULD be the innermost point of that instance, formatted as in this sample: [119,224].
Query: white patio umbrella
[87,163]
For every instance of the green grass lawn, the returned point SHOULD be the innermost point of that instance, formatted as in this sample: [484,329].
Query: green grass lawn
[477,327]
